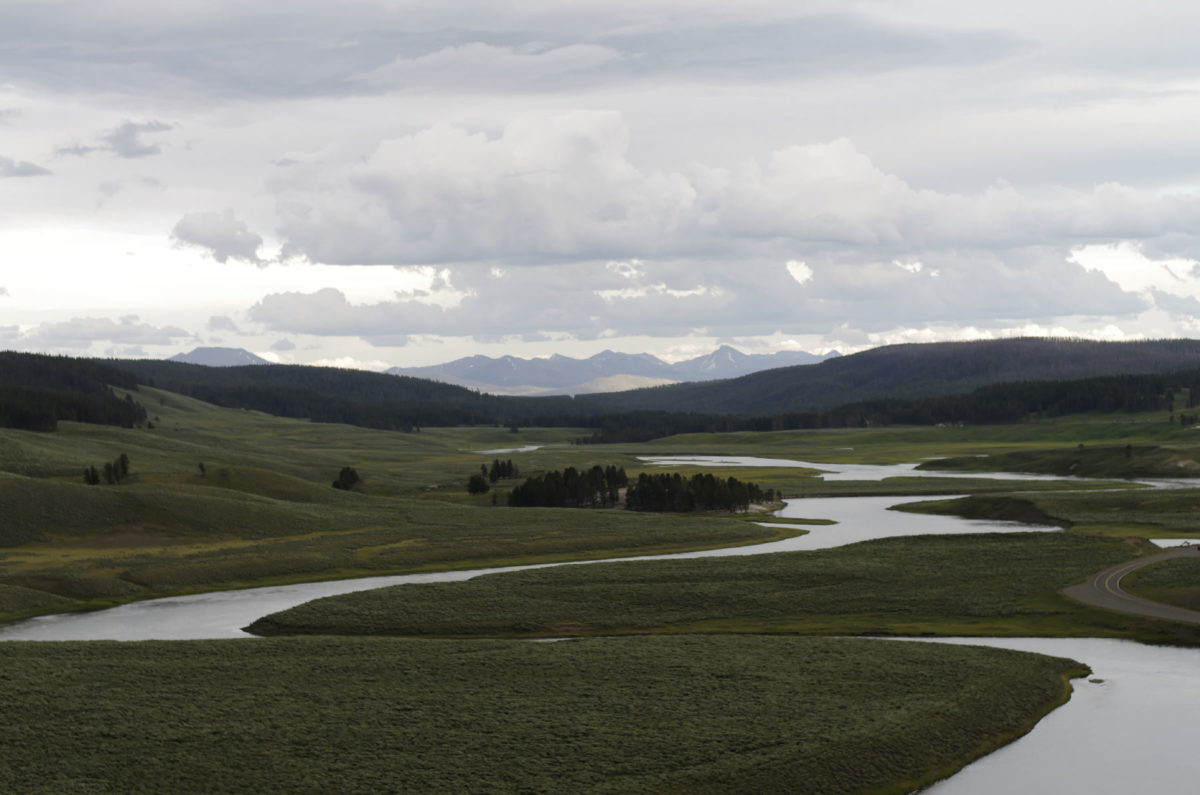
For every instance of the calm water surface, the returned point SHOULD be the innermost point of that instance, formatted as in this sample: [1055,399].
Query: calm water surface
[1132,727]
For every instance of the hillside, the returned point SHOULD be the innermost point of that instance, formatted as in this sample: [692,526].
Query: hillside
[329,394]
[37,391]
[908,371]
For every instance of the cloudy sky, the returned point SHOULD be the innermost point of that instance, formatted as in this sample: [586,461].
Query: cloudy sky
[384,182]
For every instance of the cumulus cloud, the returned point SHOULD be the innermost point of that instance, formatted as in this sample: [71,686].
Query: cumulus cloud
[662,299]
[222,235]
[547,186]
[81,332]
[564,187]
[20,168]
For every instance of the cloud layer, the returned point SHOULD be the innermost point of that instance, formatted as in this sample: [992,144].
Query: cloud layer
[835,172]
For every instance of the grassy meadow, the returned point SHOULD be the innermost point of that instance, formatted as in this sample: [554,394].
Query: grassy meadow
[678,714]
[1175,582]
[733,693]
[263,510]
[1003,584]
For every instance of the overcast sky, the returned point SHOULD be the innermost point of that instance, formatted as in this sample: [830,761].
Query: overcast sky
[381,182]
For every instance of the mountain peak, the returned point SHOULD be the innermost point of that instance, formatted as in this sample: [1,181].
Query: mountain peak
[219,357]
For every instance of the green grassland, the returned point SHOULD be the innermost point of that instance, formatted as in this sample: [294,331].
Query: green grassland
[990,584]
[1133,513]
[702,707]
[899,444]
[263,510]
[1175,582]
[1108,461]
[678,714]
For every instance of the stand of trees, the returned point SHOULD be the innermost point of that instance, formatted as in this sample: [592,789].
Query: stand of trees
[37,391]
[499,469]
[113,472]
[346,479]
[598,487]
[674,493]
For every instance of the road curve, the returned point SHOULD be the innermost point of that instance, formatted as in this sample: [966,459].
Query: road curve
[1104,590]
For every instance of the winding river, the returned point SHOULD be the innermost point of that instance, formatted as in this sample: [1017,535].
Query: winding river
[1129,727]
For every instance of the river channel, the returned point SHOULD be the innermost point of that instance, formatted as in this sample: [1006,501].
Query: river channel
[1129,727]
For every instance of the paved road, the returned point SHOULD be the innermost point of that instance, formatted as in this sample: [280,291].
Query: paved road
[1104,590]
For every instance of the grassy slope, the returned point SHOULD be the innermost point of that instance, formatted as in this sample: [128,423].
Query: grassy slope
[992,584]
[686,714]
[1176,582]
[1110,461]
[264,510]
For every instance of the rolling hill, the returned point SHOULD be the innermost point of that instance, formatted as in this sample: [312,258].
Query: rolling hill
[908,371]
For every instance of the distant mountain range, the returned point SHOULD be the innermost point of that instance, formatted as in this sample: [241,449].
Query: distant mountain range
[219,357]
[909,371]
[605,372]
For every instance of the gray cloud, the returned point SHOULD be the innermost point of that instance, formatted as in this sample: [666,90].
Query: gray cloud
[222,235]
[20,168]
[563,188]
[812,46]
[307,48]
[283,345]
[81,332]
[124,141]
[589,301]
[1184,305]
[3,291]
[222,323]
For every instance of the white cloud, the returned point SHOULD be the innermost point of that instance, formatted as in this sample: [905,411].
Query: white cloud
[1126,264]
[932,165]
[81,332]
[564,187]
[799,271]
[222,235]
[547,186]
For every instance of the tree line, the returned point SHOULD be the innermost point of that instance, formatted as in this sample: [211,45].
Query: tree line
[668,492]
[598,487]
[38,391]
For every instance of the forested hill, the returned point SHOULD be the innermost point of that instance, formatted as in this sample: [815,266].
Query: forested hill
[37,391]
[896,384]
[908,372]
[355,397]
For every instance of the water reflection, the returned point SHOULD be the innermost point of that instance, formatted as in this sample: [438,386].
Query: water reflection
[1130,727]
